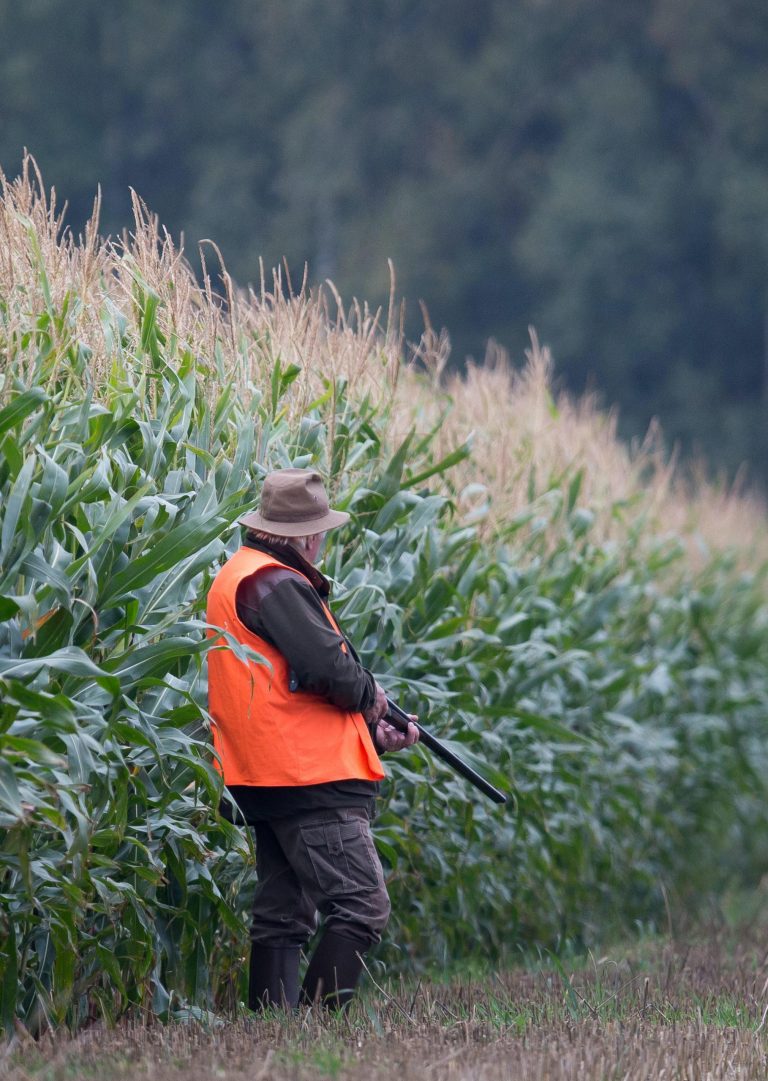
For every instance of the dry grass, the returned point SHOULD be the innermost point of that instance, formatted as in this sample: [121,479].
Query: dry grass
[523,437]
[676,1012]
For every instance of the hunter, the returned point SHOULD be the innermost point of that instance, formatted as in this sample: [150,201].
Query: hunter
[298,741]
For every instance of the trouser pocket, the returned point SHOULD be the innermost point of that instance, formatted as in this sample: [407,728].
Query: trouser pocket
[342,856]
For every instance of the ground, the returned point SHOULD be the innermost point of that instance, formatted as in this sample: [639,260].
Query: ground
[690,1009]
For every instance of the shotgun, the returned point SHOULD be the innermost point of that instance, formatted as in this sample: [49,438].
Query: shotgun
[400,720]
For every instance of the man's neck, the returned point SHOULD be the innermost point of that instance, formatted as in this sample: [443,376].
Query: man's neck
[292,557]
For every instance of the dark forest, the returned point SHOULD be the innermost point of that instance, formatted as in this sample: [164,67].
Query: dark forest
[597,170]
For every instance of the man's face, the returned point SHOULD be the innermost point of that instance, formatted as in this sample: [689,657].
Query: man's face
[314,544]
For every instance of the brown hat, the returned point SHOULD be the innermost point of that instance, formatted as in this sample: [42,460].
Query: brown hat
[294,504]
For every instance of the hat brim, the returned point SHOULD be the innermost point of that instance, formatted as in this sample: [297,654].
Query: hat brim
[331,520]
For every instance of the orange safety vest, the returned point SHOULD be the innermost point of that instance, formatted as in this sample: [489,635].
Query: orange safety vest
[264,733]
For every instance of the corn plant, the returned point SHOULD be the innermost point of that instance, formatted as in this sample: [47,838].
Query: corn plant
[615,693]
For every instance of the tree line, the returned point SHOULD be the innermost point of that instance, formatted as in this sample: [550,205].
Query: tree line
[597,169]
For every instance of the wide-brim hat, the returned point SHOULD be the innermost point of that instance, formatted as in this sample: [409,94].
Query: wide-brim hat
[294,503]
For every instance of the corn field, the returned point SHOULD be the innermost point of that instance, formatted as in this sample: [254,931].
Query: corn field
[556,607]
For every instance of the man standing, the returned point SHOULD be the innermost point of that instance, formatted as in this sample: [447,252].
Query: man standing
[299,742]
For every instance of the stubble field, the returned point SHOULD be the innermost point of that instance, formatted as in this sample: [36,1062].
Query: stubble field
[678,1009]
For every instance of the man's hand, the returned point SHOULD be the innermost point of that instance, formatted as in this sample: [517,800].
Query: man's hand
[386,736]
[377,711]
[389,738]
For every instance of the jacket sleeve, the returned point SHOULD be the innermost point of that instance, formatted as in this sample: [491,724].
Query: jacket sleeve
[288,614]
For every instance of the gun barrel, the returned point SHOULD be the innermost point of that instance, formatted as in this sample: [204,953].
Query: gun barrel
[400,719]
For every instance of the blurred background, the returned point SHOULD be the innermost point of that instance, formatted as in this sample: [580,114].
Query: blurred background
[598,169]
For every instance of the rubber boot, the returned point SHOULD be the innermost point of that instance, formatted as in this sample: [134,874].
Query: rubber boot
[273,977]
[333,972]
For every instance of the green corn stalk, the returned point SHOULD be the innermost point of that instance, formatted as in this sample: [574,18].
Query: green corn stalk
[618,698]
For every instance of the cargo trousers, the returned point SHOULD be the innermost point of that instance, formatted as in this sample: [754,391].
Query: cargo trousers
[318,862]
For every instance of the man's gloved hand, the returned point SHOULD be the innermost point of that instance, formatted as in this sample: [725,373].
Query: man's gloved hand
[389,738]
